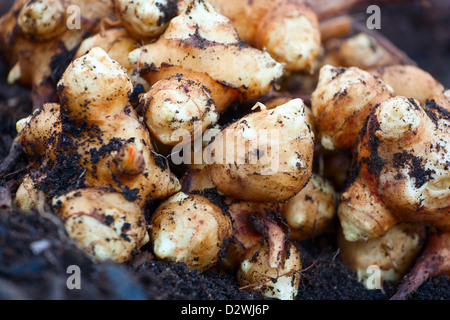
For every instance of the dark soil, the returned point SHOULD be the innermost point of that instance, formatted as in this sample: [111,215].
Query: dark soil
[28,274]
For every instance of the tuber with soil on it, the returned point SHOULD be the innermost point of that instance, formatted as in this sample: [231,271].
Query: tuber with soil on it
[279,282]
[394,253]
[341,103]
[274,154]
[94,138]
[203,46]
[191,228]
[176,110]
[311,210]
[401,168]
[288,30]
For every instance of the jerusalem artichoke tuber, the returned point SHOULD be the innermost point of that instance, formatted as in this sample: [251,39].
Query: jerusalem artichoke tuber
[203,46]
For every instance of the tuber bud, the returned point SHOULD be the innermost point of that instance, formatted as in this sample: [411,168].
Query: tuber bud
[281,282]
[341,103]
[104,224]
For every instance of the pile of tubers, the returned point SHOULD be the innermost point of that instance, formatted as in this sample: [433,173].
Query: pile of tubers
[361,151]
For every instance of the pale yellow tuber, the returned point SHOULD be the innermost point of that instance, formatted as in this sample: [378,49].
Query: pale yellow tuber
[409,81]
[203,46]
[104,224]
[177,110]
[288,30]
[264,156]
[400,170]
[281,282]
[192,229]
[341,103]
[147,19]
[39,36]
[393,253]
[98,132]
[311,210]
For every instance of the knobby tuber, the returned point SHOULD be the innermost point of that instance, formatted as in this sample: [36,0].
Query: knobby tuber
[342,101]
[400,170]
[203,46]
[311,210]
[94,138]
[281,282]
[394,253]
[191,228]
[39,39]
[110,93]
[271,152]
[288,30]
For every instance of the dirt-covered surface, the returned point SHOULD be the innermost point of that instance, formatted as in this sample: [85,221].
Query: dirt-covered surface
[35,252]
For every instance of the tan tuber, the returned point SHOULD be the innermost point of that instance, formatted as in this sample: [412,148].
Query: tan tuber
[311,210]
[202,45]
[393,253]
[281,282]
[192,229]
[288,30]
[264,156]
[341,103]
[400,170]
[104,224]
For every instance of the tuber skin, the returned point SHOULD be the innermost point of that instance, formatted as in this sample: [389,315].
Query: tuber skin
[116,42]
[96,72]
[341,103]
[311,210]
[362,212]
[440,100]
[409,81]
[256,274]
[104,224]
[275,102]
[192,229]
[273,170]
[288,30]
[27,195]
[435,260]
[394,252]
[39,130]
[43,19]
[192,44]
[94,140]
[400,168]
[176,110]
[253,222]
